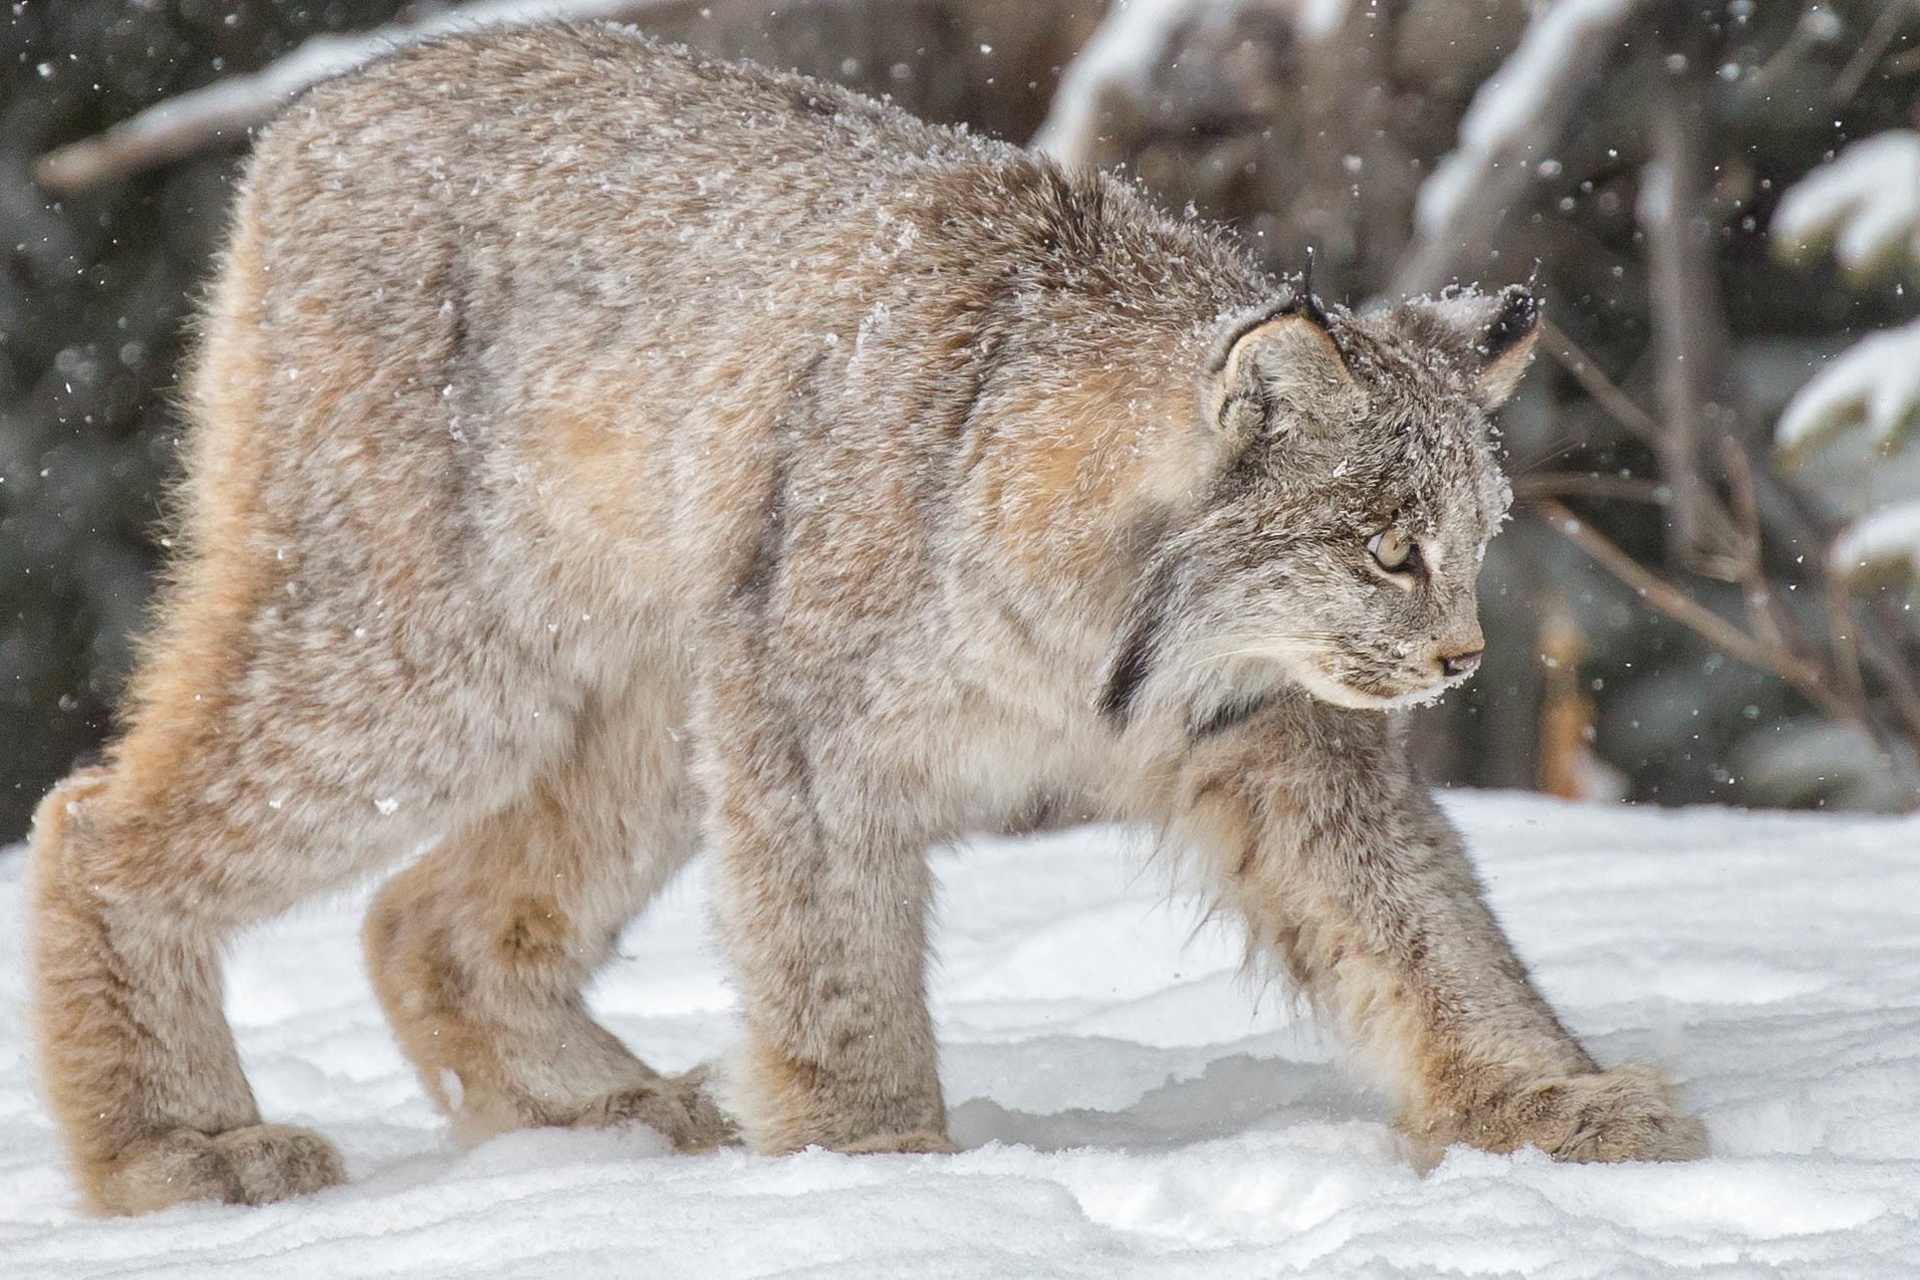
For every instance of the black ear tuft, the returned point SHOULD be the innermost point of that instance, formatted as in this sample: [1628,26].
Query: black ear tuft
[1305,302]
[1518,317]
[1491,336]
[1297,300]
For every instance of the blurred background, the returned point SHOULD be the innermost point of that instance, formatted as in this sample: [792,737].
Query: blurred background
[1707,589]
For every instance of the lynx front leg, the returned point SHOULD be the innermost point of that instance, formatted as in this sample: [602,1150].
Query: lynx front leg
[823,906]
[1346,869]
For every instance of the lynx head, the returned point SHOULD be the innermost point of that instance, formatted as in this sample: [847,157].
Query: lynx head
[1350,494]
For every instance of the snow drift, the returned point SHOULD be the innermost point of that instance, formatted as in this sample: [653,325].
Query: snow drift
[1131,1107]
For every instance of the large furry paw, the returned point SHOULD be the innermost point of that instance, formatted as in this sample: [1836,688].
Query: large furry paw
[1628,1113]
[679,1108]
[922,1141]
[257,1164]
[788,1105]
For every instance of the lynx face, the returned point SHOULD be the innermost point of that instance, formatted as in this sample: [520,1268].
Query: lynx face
[1344,529]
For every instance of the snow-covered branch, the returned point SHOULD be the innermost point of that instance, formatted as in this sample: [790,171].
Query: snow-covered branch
[1888,538]
[1865,204]
[180,126]
[1121,55]
[1134,41]
[1875,383]
[1516,119]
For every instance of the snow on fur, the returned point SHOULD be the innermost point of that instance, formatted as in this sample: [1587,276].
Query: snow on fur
[1129,1106]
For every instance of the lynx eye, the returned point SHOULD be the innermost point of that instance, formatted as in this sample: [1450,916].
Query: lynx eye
[1393,550]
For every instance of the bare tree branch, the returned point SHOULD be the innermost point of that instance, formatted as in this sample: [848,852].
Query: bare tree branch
[1884,656]
[1690,342]
[181,126]
[1618,404]
[1772,507]
[1879,38]
[1767,505]
[1586,484]
[1846,648]
[1665,597]
[1878,637]
[1764,615]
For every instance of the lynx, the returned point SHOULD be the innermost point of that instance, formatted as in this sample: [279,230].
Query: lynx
[600,455]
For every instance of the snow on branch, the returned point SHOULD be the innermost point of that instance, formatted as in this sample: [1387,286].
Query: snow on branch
[1122,54]
[1865,204]
[1888,538]
[1517,116]
[1875,383]
[180,126]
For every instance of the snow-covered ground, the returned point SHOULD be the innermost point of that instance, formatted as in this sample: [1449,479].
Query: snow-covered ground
[1129,1106]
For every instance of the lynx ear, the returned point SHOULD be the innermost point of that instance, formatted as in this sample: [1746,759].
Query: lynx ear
[1491,336]
[1279,363]
[1506,345]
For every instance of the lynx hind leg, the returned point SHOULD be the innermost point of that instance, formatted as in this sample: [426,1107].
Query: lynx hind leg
[1357,885]
[136,1059]
[479,951]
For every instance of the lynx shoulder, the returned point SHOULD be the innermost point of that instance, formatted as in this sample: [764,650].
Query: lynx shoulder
[599,455]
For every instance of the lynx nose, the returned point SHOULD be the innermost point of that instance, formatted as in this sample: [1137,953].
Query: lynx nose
[1460,664]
